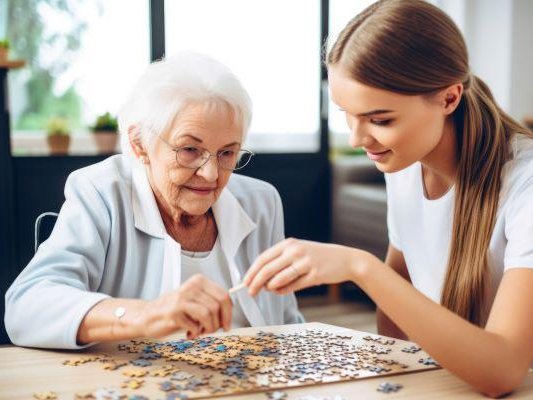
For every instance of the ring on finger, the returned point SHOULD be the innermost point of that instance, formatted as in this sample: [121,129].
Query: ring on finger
[294,271]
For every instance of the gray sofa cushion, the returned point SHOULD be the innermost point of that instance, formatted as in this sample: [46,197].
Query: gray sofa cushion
[359,205]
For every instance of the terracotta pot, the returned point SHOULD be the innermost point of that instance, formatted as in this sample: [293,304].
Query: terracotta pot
[3,54]
[58,144]
[106,142]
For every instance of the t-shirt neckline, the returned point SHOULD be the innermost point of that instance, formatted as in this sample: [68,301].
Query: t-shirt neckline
[421,186]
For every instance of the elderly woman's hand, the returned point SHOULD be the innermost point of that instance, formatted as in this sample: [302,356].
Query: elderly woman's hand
[198,306]
[295,264]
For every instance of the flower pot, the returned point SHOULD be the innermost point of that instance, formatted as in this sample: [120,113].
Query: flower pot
[106,142]
[58,144]
[3,53]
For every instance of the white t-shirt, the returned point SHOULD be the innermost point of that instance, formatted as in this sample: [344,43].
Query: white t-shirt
[421,228]
[213,265]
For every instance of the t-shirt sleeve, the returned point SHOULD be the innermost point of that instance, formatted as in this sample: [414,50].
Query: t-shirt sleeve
[519,228]
[392,217]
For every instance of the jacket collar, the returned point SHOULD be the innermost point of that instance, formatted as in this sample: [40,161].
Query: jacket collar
[145,211]
[233,223]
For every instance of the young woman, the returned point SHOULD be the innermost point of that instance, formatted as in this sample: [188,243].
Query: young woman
[458,275]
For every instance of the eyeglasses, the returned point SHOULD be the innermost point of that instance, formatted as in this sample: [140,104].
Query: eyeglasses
[194,157]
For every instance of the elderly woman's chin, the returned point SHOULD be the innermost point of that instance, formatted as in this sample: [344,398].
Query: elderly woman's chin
[195,208]
[196,204]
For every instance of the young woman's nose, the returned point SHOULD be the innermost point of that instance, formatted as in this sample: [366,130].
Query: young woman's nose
[358,138]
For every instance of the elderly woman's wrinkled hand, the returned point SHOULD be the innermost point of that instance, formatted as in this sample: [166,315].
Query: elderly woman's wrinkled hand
[199,306]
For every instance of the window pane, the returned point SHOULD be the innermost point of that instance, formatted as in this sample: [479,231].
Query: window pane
[82,60]
[273,47]
[340,13]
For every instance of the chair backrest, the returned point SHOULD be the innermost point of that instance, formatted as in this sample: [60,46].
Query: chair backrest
[44,224]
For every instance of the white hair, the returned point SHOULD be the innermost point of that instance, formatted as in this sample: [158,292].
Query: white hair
[167,86]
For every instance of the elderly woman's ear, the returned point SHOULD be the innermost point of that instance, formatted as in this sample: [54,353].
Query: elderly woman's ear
[134,137]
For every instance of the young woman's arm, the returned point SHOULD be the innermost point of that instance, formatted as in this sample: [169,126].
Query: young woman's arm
[494,360]
[386,326]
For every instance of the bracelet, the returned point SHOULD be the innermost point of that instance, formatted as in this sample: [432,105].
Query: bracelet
[119,312]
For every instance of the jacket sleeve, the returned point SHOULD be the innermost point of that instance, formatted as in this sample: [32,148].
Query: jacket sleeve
[291,315]
[47,302]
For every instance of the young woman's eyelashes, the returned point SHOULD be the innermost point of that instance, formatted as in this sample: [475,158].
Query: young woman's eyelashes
[381,122]
[374,121]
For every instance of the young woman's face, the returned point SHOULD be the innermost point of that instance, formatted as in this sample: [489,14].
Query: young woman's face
[395,130]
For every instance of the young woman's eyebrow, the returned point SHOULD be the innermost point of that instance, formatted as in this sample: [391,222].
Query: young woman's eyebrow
[374,112]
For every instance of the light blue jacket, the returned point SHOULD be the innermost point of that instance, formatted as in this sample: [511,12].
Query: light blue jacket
[110,241]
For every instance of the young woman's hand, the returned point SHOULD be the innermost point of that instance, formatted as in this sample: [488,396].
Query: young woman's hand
[295,264]
[199,306]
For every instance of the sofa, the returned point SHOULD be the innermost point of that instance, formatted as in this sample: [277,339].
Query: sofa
[359,214]
[359,204]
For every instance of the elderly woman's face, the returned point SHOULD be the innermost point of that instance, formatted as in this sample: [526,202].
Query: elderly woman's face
[209,126]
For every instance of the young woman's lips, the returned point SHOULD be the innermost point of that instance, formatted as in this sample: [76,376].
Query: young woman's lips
[200,190]
[377,156]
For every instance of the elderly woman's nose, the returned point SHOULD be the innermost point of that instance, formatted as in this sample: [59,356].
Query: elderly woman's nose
[209,171]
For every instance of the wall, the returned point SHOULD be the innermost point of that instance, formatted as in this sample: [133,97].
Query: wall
[499,34]
[521,87]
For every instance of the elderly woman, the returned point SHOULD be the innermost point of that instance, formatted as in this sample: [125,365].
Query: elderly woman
[148,243]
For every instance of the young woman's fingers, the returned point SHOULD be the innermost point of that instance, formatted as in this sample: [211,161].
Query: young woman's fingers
[288,275]
[266,273]
[264,258]
[301,283]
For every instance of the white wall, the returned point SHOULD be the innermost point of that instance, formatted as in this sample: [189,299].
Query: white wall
[488,36]
[499,36]
[521,87]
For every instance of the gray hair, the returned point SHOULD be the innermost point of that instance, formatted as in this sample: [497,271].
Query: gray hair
[167,86]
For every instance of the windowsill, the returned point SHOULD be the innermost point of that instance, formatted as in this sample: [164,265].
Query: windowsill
[34,144]
[82,144]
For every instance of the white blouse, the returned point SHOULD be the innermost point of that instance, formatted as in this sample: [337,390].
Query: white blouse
[421,228]
[213,265]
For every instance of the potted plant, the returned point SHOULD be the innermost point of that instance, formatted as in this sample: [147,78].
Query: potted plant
[105,133]
[58,135]
[4,49]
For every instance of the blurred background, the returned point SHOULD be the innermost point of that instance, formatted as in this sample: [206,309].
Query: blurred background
[79,59]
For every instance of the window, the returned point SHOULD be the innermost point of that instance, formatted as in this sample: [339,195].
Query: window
[340,13]
[82,59]
[274,48]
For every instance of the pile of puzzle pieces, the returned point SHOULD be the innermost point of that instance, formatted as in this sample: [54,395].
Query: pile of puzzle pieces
[223,365]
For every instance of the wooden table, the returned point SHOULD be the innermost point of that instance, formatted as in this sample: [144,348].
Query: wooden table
[24,372]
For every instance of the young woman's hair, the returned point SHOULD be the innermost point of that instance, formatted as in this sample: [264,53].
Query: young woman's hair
[412,47]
